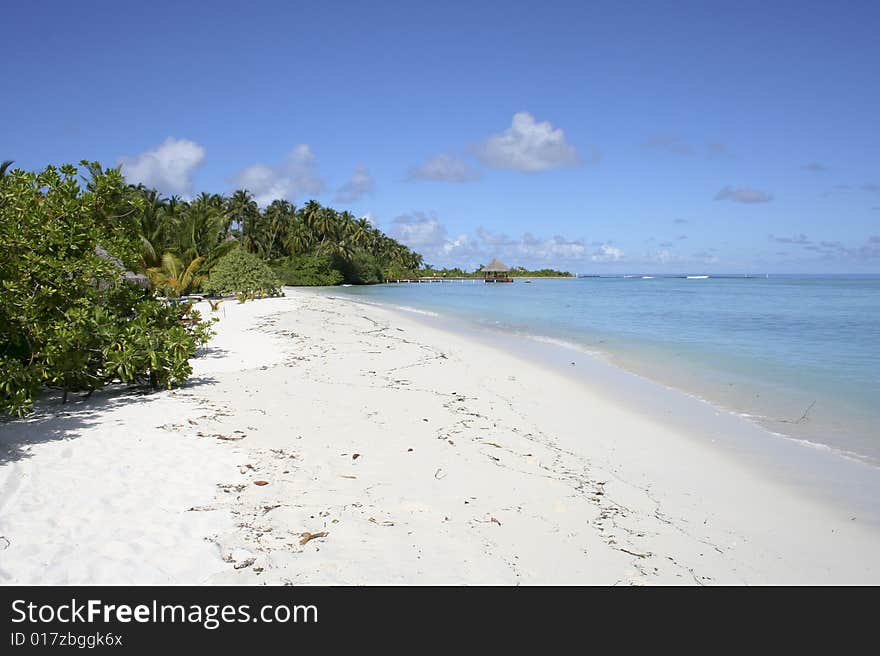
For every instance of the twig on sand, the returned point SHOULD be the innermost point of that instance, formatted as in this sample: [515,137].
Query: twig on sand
[802,418]
[633,553]
[308,537]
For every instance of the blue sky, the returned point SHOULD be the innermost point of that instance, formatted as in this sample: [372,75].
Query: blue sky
[727,136]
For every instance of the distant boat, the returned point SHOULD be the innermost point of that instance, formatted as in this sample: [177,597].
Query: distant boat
[697,277]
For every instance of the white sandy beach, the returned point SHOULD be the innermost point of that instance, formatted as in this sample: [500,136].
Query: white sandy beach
[425,456]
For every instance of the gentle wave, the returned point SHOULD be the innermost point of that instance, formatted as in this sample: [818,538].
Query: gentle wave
[574,346]
[407,308]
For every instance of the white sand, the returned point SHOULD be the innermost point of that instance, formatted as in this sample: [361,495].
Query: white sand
[475,466]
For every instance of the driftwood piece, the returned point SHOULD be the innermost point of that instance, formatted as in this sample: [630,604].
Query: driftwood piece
[307,537]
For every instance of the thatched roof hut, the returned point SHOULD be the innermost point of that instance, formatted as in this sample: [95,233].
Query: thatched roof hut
[138,279]
[495,266]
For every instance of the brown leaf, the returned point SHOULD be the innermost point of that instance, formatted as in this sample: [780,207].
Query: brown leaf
[307,537]
[261,483]
[355,456]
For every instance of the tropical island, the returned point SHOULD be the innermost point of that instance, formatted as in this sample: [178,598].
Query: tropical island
[93,261]
[302,438]
[513,272]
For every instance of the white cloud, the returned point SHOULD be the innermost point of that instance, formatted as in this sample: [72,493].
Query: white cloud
[419,230]
[555,248]
[444,168]
[744,195]
[167,167]
[606,253]
[494,239]
[528,146]
[361,183]
[294,176]
[424,233]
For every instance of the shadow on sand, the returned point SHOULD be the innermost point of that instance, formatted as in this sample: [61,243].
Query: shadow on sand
[53,420]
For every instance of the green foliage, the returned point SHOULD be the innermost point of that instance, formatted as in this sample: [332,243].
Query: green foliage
[68,319]
[519,271]
[515,272]
[240,271]
[362,269]
[173,279]
[311,269]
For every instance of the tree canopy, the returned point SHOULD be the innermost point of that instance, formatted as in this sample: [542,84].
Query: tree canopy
[69,317]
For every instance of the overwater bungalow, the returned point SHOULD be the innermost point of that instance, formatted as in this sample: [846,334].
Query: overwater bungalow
[496,271]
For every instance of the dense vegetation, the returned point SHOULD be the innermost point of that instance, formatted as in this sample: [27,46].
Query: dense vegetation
[241,272]
[73,315]
[312,245]
[515,272]
[69,318]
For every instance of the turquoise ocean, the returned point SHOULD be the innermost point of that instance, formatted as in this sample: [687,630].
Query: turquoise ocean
[797,354]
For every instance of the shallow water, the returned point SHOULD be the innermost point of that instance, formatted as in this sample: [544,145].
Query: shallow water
[799,355]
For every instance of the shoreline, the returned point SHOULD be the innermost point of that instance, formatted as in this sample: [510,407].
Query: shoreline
[836,425]
[473,465]
[831,476]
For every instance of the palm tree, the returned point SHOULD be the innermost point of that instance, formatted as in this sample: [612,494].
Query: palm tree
[338,248]
[278,216]
[310,214]
[327,225]
[241,209]
[173,278]
[4,166]
[298,238]
[360,233]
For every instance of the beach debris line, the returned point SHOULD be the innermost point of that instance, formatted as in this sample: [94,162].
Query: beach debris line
[386,522]
[220,436]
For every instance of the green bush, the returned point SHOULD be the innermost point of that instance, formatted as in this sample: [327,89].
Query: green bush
[362,269]
[307,270]
[68,318]
[240,271]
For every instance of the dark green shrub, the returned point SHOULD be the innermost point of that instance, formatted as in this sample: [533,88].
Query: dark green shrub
[240,271]
[361,269]
[310,269]
[68,318]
